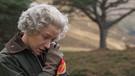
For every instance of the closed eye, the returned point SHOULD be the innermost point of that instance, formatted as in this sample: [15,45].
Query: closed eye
[45,37]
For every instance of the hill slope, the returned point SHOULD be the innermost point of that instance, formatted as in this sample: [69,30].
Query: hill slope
[84,34]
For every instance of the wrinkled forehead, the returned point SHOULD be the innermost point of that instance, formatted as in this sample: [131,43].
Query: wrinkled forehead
[50,31]
[51,28]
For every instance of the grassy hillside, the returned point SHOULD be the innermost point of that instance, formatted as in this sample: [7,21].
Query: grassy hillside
[101,63]
[83,33]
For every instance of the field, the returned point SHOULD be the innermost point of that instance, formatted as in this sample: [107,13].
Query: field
[101,63]
[84,34]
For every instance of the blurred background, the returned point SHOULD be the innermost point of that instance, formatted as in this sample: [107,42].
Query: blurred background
[101,34]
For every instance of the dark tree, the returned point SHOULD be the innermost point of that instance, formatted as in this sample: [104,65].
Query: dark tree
[105,13]
[10,11]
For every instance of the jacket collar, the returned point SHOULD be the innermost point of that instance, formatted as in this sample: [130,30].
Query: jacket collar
[16,44]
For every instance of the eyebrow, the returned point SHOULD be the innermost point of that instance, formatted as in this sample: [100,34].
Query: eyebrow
[51,36]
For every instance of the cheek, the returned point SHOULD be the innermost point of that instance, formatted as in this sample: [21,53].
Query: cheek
[35,42]
[38,43]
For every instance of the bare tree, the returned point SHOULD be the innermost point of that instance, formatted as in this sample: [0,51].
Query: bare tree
[105,13]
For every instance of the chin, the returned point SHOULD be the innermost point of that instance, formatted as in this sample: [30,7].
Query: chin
[37,54]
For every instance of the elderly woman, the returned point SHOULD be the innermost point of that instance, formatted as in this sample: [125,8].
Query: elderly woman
[35,51]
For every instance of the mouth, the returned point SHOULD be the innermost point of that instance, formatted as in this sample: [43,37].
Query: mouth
[41,51]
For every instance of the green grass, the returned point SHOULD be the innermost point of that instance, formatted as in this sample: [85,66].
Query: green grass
[101,63]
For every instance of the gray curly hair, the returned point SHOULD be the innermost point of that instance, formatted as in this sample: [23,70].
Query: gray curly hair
[38,16]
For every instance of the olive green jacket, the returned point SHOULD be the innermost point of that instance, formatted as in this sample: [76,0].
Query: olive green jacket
[17,60]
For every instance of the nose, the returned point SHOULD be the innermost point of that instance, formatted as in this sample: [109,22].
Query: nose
[47,44]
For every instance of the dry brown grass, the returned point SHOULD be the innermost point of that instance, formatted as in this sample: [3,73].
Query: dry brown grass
[85,34]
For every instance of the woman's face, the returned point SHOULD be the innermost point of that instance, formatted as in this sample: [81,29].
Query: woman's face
[40,42]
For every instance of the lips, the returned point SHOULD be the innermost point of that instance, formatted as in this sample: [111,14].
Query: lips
[41,50]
